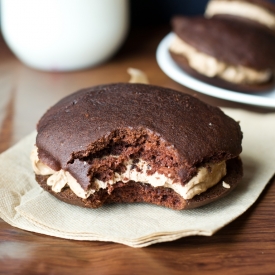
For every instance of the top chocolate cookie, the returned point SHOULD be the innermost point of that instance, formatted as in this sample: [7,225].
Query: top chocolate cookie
[85,122]
[228,41]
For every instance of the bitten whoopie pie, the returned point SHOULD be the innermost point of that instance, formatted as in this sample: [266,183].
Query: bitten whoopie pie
[125,143]
[224,52]
[261,11]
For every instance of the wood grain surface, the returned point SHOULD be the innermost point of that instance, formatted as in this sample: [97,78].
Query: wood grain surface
[245,246]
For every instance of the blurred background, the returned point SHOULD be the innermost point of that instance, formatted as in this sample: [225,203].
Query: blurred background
[153,12]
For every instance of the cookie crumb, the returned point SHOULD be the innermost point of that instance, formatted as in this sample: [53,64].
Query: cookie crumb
[137,76]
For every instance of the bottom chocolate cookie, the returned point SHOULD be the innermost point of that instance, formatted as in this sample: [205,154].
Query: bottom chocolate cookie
[215,81]
[131,192]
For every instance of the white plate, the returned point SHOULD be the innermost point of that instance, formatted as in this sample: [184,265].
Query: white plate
[169,67]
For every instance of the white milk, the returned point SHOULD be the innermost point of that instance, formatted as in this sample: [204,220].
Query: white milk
[64,35]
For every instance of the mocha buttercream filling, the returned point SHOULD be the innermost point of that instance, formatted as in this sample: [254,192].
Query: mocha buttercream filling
[211,67]
[207,176]
[243,9]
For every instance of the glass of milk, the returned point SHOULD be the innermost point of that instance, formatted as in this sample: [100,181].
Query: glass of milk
[64,35]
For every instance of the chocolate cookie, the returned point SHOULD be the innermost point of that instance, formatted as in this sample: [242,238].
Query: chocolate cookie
[236,53]
[137,143]
[260,11]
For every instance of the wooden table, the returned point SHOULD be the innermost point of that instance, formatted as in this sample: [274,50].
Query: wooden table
[246,246]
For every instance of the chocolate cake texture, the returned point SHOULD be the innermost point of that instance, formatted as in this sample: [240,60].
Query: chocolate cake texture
[124,142]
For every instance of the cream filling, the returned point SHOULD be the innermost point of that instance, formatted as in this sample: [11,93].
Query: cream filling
[211,67]
[39,167]
[225,185]
[205,178]
[243,9]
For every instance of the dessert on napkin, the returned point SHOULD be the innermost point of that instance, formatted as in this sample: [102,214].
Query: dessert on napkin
[25,205]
